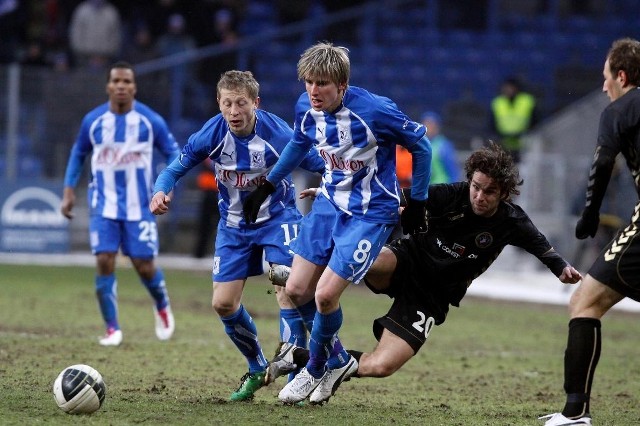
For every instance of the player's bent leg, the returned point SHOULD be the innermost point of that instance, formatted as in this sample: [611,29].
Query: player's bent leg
[390,354]
[292,331]
[226,297]
[592,299]
[378,277]
[301,285]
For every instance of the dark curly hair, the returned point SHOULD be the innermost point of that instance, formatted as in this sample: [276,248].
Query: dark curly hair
[496,163]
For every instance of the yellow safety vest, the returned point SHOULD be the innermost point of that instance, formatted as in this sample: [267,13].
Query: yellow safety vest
[512,118]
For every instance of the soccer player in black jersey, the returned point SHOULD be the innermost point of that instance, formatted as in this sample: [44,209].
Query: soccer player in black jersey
[470,223]
[615,274]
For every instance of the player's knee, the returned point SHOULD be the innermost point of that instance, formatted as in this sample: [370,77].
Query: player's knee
[326,300]
[298,295]
[223,307]
[380,368]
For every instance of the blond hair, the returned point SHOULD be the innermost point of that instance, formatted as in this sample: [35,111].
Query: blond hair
[324,61]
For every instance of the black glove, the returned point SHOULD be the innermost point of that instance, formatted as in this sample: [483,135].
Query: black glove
[414,217]
[251,204]
[587,225]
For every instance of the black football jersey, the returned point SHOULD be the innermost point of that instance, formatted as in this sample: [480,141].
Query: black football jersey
[460,245]
[618,132]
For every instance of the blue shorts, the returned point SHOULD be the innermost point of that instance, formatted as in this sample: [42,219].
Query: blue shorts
[348,244]
[137,239]
[238,252]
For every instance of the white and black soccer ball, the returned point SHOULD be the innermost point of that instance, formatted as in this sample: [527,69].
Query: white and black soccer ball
[79,389]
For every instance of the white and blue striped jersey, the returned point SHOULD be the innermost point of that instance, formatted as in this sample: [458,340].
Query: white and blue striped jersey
[241,163]
[357,143]
[122,148]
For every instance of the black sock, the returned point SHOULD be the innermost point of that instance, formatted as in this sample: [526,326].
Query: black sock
[300,356]
[580,361]
[356,355]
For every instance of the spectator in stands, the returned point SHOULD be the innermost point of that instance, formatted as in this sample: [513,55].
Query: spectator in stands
[12,19]
[512,114]
[95,33]
[220,30]
[34,55]
[181,77]
[176,39]
[342,31]
[444,164]
[290,11]
[142,47]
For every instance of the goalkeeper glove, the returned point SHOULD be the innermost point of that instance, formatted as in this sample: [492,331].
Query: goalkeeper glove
[587,225]
[251,204]
[414,217]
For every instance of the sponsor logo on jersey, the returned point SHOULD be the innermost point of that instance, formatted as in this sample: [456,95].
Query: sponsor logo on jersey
[456,252]
[335,162]
[238,179]
[115,156]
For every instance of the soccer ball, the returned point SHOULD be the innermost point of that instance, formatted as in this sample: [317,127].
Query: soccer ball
[79,389]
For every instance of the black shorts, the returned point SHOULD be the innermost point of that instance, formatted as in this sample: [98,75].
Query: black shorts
[416,306]
[618,265]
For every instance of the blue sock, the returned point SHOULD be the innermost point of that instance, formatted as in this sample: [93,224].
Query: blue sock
[157,289]
[324,337]
[292,329]
[308,313]
[339,356]
[107,293]
[242,331]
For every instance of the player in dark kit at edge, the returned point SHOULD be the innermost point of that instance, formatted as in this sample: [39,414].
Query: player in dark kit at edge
[470,223]
[615,274]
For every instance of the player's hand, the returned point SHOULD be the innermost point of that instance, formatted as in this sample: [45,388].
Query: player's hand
[159,203]
[309,192]
[570,275]
[68,201]
[251,205]
[587,225]
[414,217]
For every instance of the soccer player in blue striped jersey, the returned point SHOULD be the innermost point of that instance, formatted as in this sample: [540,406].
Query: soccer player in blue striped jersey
[120,136]
[245,143]
[356,133]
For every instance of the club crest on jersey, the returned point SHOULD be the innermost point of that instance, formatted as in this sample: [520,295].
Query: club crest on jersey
[484,240]
[344,134]
[257,160]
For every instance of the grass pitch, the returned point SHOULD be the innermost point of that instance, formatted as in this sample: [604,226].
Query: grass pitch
[490,363]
